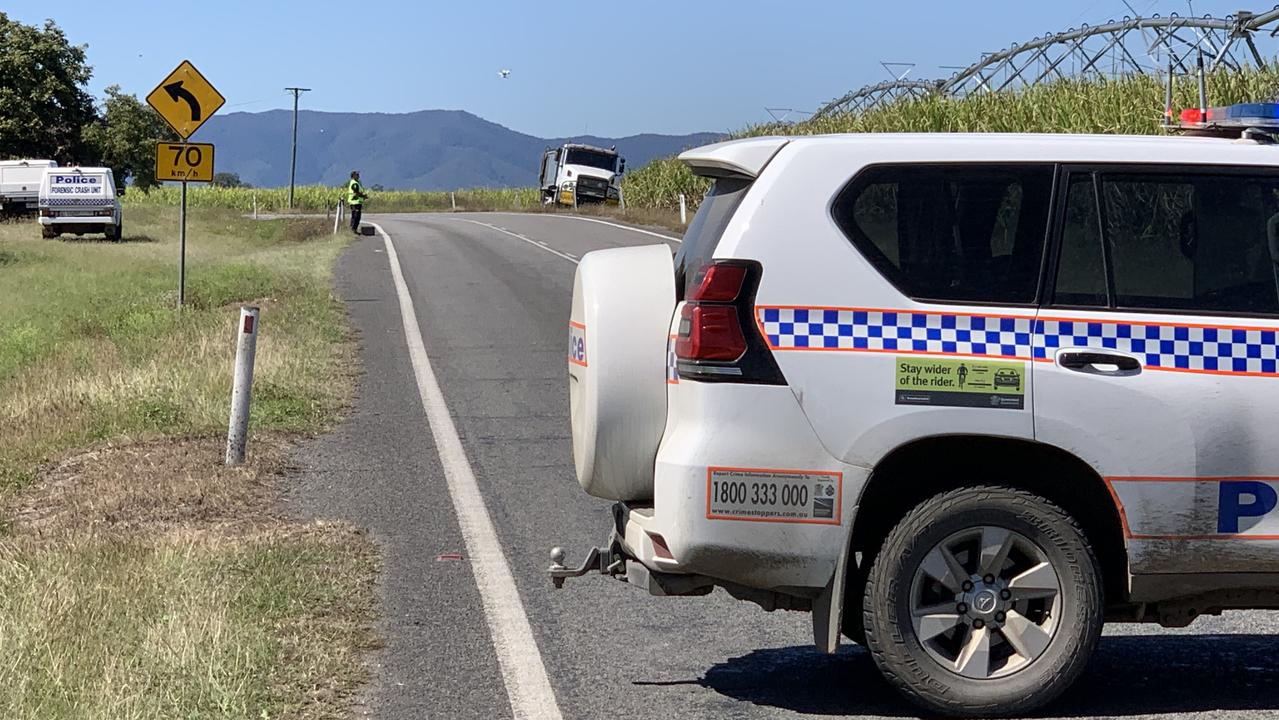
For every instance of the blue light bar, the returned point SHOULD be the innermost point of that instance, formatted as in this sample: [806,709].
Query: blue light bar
[1267,110]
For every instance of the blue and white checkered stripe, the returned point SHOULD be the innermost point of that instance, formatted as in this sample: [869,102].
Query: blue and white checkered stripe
[1159,346]
[1174,347]
[65,201]
[899,331]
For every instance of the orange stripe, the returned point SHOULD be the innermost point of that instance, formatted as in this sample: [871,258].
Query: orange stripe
[895,312]
[1123,514]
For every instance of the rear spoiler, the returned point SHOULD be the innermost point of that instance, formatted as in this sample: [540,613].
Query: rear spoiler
[735,158]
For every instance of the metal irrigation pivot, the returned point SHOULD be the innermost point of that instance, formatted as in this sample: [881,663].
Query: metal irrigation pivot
[245,350]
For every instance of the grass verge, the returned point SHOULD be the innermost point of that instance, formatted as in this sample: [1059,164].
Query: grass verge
[91,346]
[141,578]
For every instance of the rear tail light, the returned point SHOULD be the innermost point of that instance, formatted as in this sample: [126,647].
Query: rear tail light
[718,282]
[718,339]
[709,332]
[46,212]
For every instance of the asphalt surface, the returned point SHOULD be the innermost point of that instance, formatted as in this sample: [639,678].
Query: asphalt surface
[493,311]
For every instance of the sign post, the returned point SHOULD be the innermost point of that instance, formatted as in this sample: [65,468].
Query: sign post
[186,100]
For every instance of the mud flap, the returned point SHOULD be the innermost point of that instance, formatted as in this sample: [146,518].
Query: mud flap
[828,607]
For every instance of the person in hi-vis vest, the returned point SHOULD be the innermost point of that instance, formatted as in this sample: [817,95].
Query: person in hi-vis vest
[355,197]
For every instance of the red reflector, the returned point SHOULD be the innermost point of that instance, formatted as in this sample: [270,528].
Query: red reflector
[659,547]
[709,332]
[719,283]
[248,324]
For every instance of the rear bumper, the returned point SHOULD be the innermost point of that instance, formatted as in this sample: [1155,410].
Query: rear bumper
[80,220]
[751,434]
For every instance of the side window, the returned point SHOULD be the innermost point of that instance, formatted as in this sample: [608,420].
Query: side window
[1194,242]
[960,233]
[1081,268]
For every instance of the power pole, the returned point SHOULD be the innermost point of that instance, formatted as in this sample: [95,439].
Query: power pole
[293,162]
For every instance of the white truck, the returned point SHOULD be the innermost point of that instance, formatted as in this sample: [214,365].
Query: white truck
[79,200]
[20,184]
[575,173]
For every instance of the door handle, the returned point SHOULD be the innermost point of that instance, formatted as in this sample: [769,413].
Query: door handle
[1084,359]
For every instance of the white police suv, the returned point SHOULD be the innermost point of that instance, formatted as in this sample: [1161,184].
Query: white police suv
[962,397]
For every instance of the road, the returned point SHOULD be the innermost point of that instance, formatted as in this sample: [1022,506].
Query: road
[491,297]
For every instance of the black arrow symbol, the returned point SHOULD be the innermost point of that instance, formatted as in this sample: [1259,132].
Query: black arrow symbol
[176,91]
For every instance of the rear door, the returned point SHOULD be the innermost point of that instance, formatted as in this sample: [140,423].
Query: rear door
[929,333]
[1156,358]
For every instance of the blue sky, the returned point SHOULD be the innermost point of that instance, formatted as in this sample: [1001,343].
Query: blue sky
[604,67]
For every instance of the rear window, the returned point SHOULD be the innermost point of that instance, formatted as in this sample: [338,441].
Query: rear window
[959,233]
[704,232]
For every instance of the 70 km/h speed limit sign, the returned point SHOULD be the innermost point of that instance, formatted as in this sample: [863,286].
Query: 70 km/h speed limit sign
[189,162]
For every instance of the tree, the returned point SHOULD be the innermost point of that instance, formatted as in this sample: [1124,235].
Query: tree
[43,101]
[124,138]
[229,180]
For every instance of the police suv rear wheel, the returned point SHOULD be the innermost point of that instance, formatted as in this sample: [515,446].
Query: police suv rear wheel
[983,601]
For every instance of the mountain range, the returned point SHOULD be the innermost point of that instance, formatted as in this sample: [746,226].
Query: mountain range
[426,150]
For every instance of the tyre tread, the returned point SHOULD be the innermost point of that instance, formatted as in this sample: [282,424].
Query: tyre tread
[917,521]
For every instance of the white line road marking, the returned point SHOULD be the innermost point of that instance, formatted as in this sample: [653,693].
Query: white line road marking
[601,222]
[535,243]
[527,686]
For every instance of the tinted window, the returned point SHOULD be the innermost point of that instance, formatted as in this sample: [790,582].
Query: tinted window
[704,231]
[1081,270]
[1205,242]
[590,158]
[952,232]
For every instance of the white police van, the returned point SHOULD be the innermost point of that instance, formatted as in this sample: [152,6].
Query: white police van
[79,200]
[962,397]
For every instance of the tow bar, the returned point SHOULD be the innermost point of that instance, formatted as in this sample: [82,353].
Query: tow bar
[606,561]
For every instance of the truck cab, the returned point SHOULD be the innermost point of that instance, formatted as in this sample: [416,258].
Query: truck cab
[79,200]
[20,184]
[575,173]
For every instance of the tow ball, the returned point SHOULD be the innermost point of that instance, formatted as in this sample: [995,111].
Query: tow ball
[606,561]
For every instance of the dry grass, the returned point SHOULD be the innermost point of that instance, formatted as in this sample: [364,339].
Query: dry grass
[148,581]
[92,349]
[139,578]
